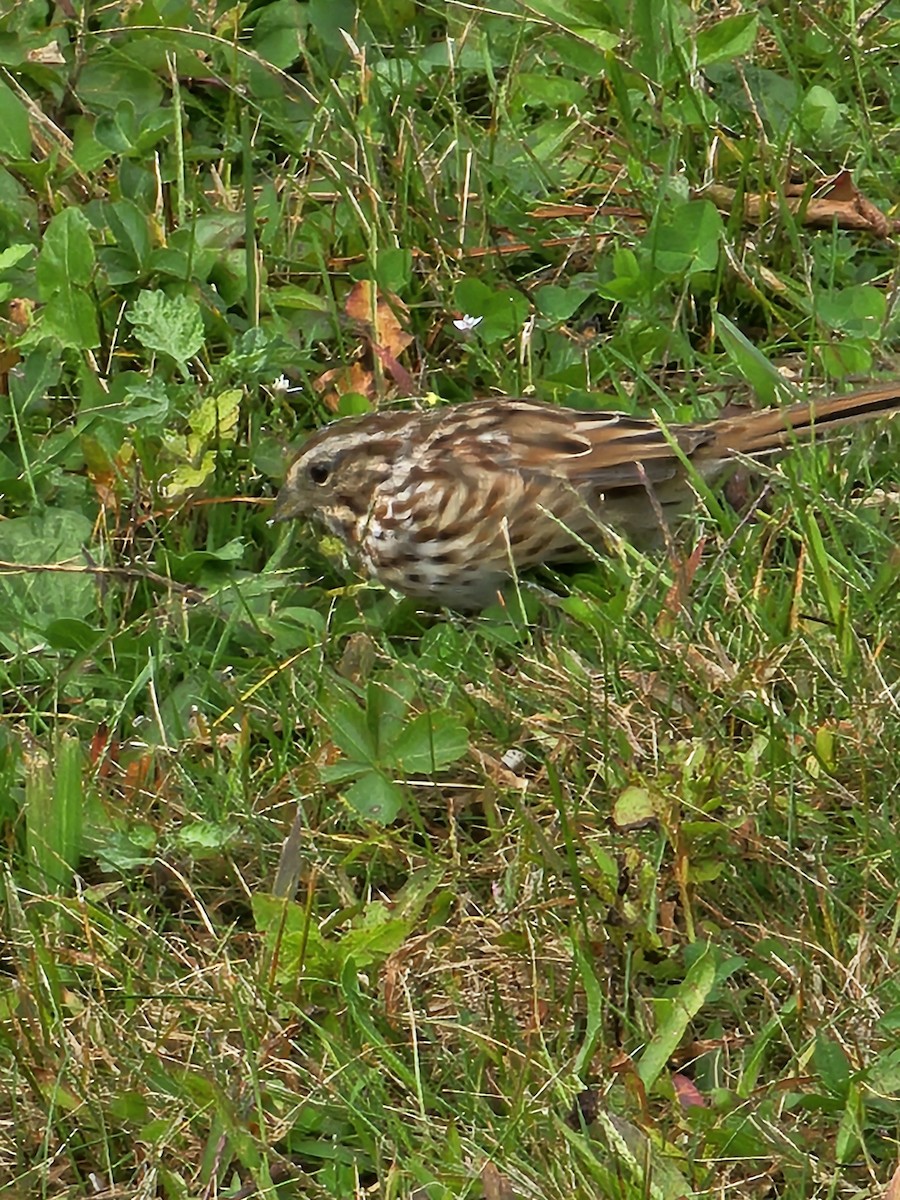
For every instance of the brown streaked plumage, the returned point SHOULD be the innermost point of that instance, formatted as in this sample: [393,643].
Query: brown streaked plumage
[446,504]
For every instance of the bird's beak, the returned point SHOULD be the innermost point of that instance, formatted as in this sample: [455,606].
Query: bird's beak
[287,504]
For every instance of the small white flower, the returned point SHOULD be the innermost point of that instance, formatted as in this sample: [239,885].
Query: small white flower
[281,385]
[466,323]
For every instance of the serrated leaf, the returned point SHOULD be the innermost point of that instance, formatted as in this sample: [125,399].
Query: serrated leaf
[349,730]
[170,325]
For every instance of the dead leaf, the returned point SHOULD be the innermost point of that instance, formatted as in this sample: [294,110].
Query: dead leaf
[689,1095]
[379,315]
[685,570]
[666,923]
[833,200]
[497,772]
[103,751]
[496,1185]
[397,372]
[892,1191]
[338,381]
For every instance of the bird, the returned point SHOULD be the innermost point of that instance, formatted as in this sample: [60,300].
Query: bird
[446,504]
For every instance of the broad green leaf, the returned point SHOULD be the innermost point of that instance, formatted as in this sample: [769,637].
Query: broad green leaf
[570,14]
[393,269]
[831,1063]
[130,228]
[278,33]
[71,318]
[15,131]
[292,297]
[602,39]
[471,296]
[71,633]
[117,130]
[387,706]
[430,742]
[629,280]
[634,807]
[200,838]
[169,325]
[39,373]
[375,797]
[504,316]
[329,18]
[31,600]
[349,730]
[560,303]
[123,852]
[379,934]
[727,39]
[136,400]
[106,80]
[858,311]
[342,771]
[820,114]
[64,270]
[686,238]
[846,358]
[546,91]
[14,254]
[290,931]
[66,259]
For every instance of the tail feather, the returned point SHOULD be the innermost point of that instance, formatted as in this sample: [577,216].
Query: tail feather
[768,430]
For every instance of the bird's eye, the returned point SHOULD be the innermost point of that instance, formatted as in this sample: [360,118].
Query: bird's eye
[319,472]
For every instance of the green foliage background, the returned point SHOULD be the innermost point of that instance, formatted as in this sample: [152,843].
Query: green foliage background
[305,891]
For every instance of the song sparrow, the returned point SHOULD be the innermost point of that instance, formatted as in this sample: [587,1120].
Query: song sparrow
[446,504]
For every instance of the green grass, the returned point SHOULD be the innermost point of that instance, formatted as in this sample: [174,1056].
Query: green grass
[305,892]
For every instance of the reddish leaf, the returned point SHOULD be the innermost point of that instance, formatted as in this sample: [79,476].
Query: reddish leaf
[689,1095]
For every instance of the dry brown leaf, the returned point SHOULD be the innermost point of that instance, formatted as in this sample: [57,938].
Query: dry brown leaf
[496,1185]
[687,1092]
[892,1191]
[379,315]
[834,200]
[685,570]
[338,381]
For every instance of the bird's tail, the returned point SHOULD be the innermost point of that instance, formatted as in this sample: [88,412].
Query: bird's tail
[766,430]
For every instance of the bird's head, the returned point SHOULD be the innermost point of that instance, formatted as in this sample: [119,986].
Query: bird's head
[335,475]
